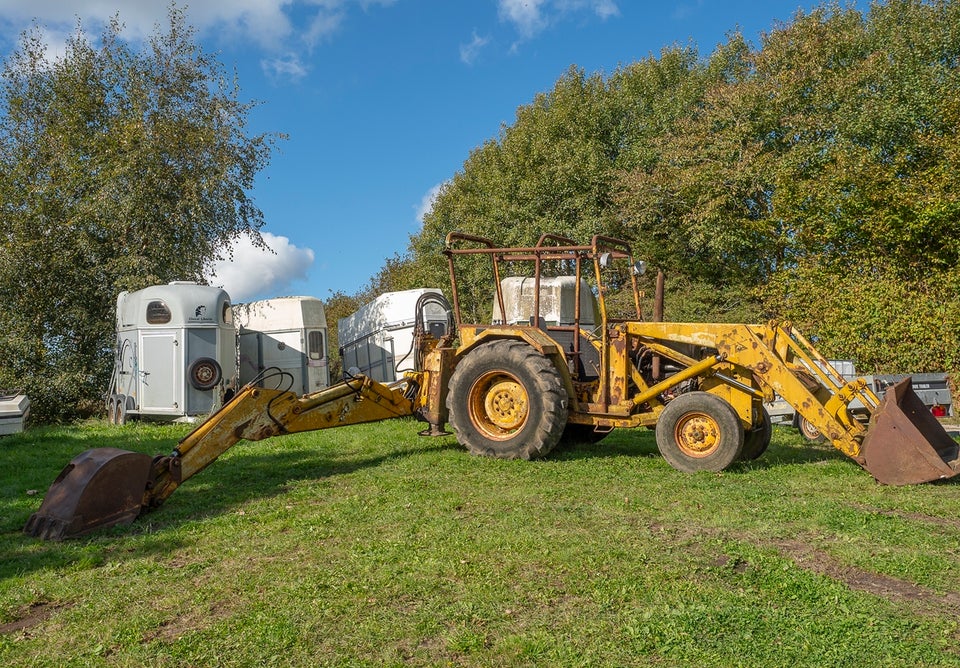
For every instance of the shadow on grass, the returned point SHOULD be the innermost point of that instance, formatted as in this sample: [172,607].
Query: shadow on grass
[786,449]
[642,442]
[215,491]
[33,460]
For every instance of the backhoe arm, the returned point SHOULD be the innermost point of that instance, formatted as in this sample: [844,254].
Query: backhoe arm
[256,413]
[105,486]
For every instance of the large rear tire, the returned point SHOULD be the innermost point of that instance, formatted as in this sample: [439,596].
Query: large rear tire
[699,431]
[507,400]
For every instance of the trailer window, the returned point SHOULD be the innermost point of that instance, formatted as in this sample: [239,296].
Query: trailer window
[227,314]
[158,313]
[316,346]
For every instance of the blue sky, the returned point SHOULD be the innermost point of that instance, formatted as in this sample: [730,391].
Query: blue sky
[383,100]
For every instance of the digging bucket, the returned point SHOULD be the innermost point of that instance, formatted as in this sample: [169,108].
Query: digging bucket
[98,489]
[905,444]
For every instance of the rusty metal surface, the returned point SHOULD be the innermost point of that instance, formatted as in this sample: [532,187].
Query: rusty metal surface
[99,488]
[905,444]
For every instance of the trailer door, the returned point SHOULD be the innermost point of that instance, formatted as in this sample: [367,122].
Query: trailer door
[160,374]
[284,351]
[318,373]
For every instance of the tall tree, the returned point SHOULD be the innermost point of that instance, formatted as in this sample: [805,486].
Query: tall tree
[556,168]
[118,169]
[813,178]
[867,179]
[696,204]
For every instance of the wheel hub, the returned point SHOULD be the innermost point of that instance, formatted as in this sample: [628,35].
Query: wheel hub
[697,434]
[506,404]
[205,373]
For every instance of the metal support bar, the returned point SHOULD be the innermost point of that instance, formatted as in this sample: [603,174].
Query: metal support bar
[677,378]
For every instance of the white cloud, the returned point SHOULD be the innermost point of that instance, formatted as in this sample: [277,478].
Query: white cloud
[426,204]
[525,15]
[469,52]
[605,8]
[530,17]
[323,25]
[276,26]
[257,273]
[602,8]
[288,67]
[257,18]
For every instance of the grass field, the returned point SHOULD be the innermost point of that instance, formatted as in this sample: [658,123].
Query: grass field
[372,546]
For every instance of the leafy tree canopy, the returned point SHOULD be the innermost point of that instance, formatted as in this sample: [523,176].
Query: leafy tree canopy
[119,168]
[813,177]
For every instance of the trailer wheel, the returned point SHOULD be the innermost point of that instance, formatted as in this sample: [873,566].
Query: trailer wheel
[807,430]
[204,373]
[699,431]
[507,400]
[120,417]
[756,440]
[112,409]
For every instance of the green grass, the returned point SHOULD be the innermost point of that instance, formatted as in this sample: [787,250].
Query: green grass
[372,546]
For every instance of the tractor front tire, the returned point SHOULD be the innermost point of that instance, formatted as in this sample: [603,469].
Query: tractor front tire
[699,431]
[506,400]
[757,439]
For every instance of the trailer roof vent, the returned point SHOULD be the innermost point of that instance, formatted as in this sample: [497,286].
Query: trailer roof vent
[158,313]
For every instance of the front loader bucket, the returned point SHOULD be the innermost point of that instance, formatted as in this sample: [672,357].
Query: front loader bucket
[905,444]
[99,488]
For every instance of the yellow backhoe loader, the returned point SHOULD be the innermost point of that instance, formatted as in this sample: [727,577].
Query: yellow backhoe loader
[552,362]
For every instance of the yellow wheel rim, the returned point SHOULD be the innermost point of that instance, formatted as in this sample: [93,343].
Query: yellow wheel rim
[697,434]
[499,405]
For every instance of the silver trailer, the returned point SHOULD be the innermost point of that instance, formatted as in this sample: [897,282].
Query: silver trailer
[377,340]
[283,343]
[932,388]
[175,354]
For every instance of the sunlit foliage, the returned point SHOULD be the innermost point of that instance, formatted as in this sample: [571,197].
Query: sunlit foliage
[119,169]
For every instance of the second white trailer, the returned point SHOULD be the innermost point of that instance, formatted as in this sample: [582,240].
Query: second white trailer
[283,343]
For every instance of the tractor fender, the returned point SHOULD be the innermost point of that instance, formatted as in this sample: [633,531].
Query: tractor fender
[536,338]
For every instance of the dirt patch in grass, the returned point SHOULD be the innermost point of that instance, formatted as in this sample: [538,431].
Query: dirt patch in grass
[918,517]
[817,561]
[31,615]
[172,630]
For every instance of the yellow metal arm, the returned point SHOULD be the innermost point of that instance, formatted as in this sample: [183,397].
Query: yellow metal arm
[256,413]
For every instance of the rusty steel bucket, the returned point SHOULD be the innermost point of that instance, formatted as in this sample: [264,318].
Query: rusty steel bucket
[905,444]
[99,488]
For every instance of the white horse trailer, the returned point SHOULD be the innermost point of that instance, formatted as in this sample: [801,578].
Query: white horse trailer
[377,339]
[14,411]
[283,343]
[175,353]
